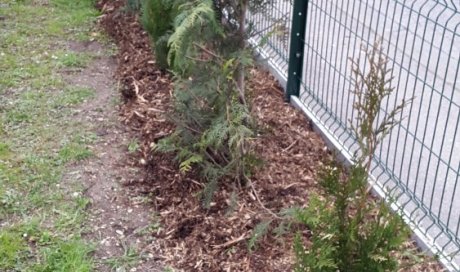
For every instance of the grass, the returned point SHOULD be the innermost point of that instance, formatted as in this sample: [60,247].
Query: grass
[65,256]
[126,260]
[133,146]
[72,59]
[11,246]
[75,95]
[40,224]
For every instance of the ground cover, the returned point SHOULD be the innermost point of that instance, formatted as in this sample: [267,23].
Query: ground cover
[40,217]
[82,191]
[221,238]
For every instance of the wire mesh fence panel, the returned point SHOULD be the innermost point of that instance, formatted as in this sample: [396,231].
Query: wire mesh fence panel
[270,30]
[418,164]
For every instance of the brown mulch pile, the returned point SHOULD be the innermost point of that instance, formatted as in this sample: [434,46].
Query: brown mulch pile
[192,238]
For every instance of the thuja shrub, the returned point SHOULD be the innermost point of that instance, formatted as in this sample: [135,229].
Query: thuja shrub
[203,43]
[350,231]
[157,17]
[212,128]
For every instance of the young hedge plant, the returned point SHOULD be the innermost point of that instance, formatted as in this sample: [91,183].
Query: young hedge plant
[349,230]
[203,43]
[157,17]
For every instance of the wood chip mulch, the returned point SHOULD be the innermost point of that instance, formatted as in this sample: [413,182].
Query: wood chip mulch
[192,238]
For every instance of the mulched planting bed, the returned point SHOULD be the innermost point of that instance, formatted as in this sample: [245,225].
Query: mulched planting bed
[190,237]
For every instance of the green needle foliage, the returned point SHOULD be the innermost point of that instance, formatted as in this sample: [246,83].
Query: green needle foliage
[350,232]
[203,43]
[212,126]
[157,19]
[196,17]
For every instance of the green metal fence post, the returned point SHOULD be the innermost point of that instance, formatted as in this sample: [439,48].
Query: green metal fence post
[296,52]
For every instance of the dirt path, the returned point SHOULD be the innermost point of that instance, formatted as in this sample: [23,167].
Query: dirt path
[119,217]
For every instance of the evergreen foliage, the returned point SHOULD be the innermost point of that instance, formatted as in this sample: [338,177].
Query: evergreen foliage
[203,43]
[195,18]
[212,126]
[259,231]
[158,20]
[349,232]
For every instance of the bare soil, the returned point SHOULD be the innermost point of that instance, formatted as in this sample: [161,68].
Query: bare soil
[118,215]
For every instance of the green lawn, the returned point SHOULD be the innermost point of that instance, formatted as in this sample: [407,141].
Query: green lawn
[41,220]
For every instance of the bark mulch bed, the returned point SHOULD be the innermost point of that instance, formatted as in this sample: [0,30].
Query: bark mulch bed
[192,238]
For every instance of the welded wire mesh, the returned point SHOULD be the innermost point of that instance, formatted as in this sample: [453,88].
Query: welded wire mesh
[270,30]
[419,162]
